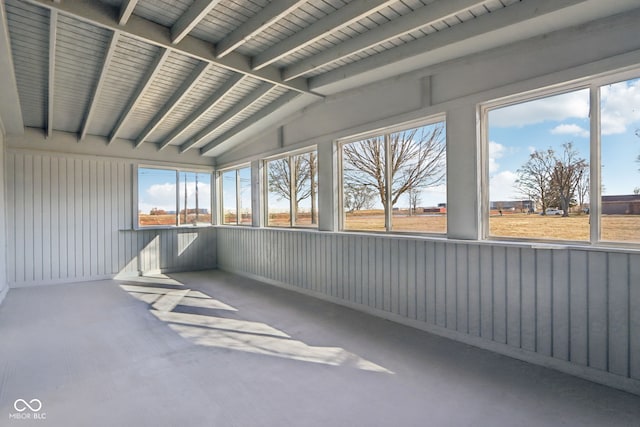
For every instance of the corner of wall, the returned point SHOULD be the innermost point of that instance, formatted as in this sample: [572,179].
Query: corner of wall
[3,235]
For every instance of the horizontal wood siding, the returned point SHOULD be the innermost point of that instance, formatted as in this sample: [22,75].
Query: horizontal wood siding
[70,219]
[578,306]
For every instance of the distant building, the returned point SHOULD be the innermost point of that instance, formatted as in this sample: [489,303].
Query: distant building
[513,205]
[627,204]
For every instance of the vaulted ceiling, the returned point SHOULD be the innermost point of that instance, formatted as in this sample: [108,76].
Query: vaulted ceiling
[196,73]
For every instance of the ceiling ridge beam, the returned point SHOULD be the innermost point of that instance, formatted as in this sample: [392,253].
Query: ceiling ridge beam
[341,18]
[181,93]
[228,115]
[187,22]
[268,110]
[11,120]
[126,10]
[105,16]
[207,105]
[485,24]
[416,20]
[53,32]
[151,74]
[257,23]
[113,44]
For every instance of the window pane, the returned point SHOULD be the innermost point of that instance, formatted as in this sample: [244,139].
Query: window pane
[194,198]
[363,184]
[418,187]
[620,154]
[245,196]
[306,188]
[229,207]
[279,193]
[539,168]
[156,197]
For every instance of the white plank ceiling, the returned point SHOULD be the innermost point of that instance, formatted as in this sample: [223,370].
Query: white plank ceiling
[195,73]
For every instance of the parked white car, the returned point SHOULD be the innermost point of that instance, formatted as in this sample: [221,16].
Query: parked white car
[552,211]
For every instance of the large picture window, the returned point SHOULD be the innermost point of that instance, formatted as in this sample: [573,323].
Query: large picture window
[173,197]
[236,196]
[396,181]
[292,190]
[545,179]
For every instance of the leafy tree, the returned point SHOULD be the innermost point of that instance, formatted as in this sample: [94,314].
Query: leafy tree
[417,161]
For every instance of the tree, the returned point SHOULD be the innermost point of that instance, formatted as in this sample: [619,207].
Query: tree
[304,178]
[414,199]
[357,198]
[566,176]
[554,180]
[417,161]
[583,188]
[534,177]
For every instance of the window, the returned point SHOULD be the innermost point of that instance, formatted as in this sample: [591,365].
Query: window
[172,197]
[539,168]
[292,190]
[545,182]
[620,161]
[236,196]
[396,181]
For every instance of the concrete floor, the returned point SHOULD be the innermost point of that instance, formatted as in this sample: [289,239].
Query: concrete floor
[213,349]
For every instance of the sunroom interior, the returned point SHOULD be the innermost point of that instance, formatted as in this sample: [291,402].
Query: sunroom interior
[320,212]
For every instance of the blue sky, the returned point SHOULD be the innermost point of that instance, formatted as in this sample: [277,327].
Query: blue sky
[157,189]
[515,131]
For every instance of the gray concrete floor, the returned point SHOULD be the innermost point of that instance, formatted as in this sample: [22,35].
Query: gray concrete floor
[214,349]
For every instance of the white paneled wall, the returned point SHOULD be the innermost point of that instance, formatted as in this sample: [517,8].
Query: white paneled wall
[71,219]
[573,309]
[3,233]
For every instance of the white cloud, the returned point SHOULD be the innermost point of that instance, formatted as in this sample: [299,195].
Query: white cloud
[496,151]
[570,129]
[555,108]
[620,107]
[501,186]
[163,196]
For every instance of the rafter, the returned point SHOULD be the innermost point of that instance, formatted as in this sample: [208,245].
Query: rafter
[264,19]
[207,105]
[341,18]
[228,115]
[152,72]
[113,43]
[196,12]
[10,111]
[267,111]
[53,30]
[105,16]
[126,10]
[177,96]
[445,41]
[420,18]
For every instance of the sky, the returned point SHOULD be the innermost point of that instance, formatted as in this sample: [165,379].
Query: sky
[157,189]
[516,131]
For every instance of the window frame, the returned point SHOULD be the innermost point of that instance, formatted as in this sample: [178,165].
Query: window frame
[177,170]
[384,132]
[220,192]
[265,190]
[593,84]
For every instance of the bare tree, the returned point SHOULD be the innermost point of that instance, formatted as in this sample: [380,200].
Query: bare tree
[357,197]
[304,179]
[567,174]
[414,199]
[534,177]
[582,189]
[417,161]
